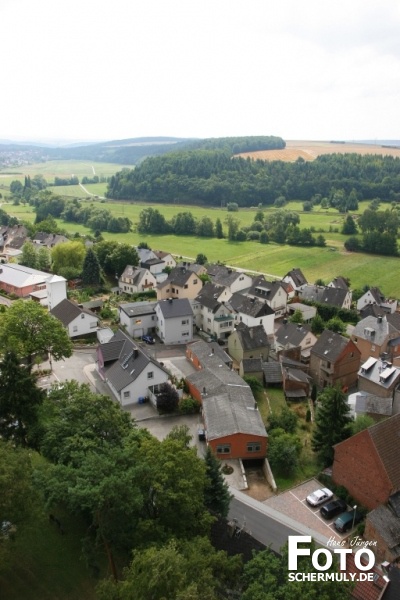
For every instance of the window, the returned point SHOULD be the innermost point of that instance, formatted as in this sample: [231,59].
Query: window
[224,449]
[194,281]
[75,328]
[150,375]
[185,322]
[93,325]
[253,447]
[127,394]
[185,333]
[138,321]
[82,316]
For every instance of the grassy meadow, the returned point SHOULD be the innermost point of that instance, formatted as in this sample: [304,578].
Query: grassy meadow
[272,259]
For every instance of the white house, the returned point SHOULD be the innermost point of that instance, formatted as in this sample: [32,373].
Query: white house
[233,281]
[78,321]
[138,318]
[128,371]
[252,312]
[213,315]
[175,321]
[136,279]
[375,296]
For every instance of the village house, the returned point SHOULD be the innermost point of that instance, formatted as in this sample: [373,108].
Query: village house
[296,384]
[128,371]
[367,464]
[79,322]
[334,360]
[296,279]
[233,281]
[180,283]
[166,258]
[273,293]
[374,296]
[293,335]
[248,343]
[135,280]
[234,427]
[372,336]
[138,318]
[330,296]
[251,311]
[195,267]
[174,321]
[308,312]
[378,378]
[25,282]
[212,315]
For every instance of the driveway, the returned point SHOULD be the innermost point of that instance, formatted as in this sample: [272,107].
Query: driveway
[292,503]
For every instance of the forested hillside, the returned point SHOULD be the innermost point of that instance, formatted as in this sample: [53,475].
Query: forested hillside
[215,178]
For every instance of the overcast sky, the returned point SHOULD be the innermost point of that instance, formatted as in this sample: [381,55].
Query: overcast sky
[101,69]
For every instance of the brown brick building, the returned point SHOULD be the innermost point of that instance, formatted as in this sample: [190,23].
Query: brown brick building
[334,360]
[367,464]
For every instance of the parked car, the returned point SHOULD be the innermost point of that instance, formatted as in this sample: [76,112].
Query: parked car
[332,509]
[346,521]
[319,497]
[148,339]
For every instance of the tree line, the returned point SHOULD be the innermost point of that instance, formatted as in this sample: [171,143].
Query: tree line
[215,177]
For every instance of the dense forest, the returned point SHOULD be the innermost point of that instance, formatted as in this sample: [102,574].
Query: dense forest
[215,177]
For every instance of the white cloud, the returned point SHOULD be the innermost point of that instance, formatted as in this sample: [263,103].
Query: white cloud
[106,70]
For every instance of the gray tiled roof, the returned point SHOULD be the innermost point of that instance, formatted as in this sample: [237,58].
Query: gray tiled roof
[251,365]
[126,360]
[222,275]
[324,295]
[252,337]
[232,412]
[297,276]
[375,329]
[374,405]
[379,372]
[66,311]
[329,345]
[253,307]
[178,276]
[134,309]
[209,294]
[388,525]
[176,307]
[386,438]
[292,333]
[272,372]
[209,354]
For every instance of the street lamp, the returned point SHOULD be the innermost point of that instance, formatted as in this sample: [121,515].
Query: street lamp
[354,515]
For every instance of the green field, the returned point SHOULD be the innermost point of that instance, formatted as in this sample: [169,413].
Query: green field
[272,259]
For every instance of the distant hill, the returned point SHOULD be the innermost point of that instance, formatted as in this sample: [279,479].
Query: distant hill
[130,151]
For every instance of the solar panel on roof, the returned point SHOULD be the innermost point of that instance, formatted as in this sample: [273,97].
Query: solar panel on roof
[369,363]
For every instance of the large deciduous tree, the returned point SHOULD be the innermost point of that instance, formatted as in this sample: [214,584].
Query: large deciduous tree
[189,570]
[30,330]
[19,401]
[332,423]
[68,258]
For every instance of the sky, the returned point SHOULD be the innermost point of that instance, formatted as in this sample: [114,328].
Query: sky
[106,70]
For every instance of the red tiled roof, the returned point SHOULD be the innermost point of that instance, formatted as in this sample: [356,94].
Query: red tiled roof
[366,590]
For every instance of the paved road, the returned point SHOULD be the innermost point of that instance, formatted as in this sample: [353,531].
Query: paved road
[267,525]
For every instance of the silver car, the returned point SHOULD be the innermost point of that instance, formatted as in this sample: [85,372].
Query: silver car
[319,497]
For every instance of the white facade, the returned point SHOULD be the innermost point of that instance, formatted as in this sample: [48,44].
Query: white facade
[83,324]
[139,320]
[151,375]
[268,322]
[219,324]
[174,329]
[56,287]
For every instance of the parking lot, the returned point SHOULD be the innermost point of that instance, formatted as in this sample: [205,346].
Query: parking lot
[293,504]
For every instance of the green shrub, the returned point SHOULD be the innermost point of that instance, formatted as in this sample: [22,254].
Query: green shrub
[189,406]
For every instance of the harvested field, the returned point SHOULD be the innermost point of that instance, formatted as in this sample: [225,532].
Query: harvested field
[309,150]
